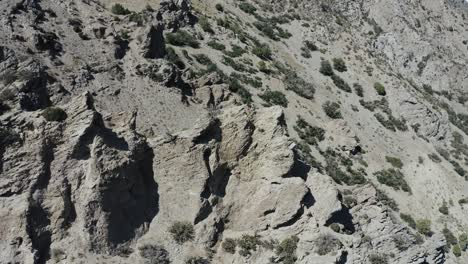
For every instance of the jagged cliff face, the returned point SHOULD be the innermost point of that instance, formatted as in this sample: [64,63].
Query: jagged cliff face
[190,132]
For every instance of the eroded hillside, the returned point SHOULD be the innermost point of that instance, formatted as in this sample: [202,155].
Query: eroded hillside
[233,131]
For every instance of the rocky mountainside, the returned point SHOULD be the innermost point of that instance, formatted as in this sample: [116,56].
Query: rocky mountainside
[280,131]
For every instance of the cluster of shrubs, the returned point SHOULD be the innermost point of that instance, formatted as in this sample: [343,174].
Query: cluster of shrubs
[393,178]
[310,134]
[293,82]
[334,162]
[275,98]
[332,110]
[327,69]
[391,123]
[182,38]
[271,29]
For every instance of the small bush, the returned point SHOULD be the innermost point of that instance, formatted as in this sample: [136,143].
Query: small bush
[444,208]
[236,87]
[463,241]
[118,9]
[197,260]
[401,242]
[449,237]
[396,162]
[216,45]
[137,18]
[205,25]
[155,254]
[310,45]
[386,200]
[219,7]
[326,68]
[463,201]
[424,227]
[173,57]
[332,110]
[248,243]
[54,114]
[358,89]
[408,219]
[340,83]
[393,178]
[236,51]
[247,8]
[339,65]
[457,251]
[202,59]
[298,85]
[326,244]
[262,51]
[182,231]
[380,89]
[182,38]
[434,157]
[286,250]
[335,227]
[378,259]
[310,134]
[229,245]
[275,98]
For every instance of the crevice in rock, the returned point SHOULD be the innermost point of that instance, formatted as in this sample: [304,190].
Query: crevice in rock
[69,213]
[308,200]
[299,168]
[293,219]
[343,217]
[212,131]
[205,210]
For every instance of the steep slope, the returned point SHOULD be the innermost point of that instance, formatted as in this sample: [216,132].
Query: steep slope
[233,132]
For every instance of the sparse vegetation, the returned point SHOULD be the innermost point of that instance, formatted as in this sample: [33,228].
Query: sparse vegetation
[216,45]
[202,59]
[298,85]
[247,8]
[408,219]
[457,251]
[310,45]
[286,250]
[310,134]
[340,83]
[449,237]
[229,245]
[275,98]
[396,162]
[173,57]
[380,89]
[262,51]
[182,38]
[197,260]
[205,24]
[326,68]
[444,208]
[393,178]
[326,244]
[182,231]
[339,65]
[378,259]
[358,89]
[424,227]
[332,110]
[219,7]
[119,9]
[54,114]
[247,244]
[236,51]
[154,254]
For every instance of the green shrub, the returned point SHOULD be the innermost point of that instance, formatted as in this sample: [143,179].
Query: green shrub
[393,178]
[463,201]
[229,245]
[339,65]
[380,89]
[8,137]
[182,231]
[247,244]
[326,244]
[434,157]
[396,162]
[236,87]
[401,242]
[326,68]
[154,254]
[286,250]
[335,227]
[262,51]
[424,226]
[118,9]
[275,98]
[137,18]
[236,51]
[408,219]
[310,45]
[457,251]
[358,89]
[173,57]
[247,8]
[310,134]
[219,7]
[463,241]
[202,59]
[197,260]
[216,45]
[205,25]
[234,64]
[298,85]
[444,208]
[305,52]
[340,83]
[54,114]
[378,259]
[449,237]
[332,110]
[182,38]
[386,200]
